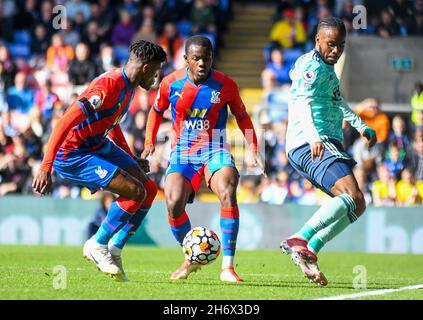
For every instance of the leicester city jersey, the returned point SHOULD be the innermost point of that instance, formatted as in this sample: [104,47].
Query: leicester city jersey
[316,108]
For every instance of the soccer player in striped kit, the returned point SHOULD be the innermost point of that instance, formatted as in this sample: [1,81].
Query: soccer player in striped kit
[199,97]
[316,111]
[87,146]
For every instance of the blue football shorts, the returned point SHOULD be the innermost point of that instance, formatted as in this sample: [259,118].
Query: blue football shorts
[336,163]
[194,166]
[96,169]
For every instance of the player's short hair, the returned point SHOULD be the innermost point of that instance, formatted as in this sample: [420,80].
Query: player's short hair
[147,51]
[332,22]
[198,41]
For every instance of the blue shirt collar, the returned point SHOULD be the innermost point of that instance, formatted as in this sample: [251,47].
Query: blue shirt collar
[125,78]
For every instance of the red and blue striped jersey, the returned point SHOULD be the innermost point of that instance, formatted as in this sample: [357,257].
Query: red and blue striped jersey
[199,113]
[104,103]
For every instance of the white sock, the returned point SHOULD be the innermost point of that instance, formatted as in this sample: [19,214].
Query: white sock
[227,261]
[115,251]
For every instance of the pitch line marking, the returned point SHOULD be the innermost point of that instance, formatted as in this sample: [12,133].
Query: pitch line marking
[371,293]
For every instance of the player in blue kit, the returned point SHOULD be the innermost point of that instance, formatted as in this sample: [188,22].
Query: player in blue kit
[199,97]
[316,111]
[87,146]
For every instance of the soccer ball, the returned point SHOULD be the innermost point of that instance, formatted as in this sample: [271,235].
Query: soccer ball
[201,246]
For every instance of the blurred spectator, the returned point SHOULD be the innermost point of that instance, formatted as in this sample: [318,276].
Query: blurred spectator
[322,13]
[288,32]
[308,196]
[395,159]
[276,190]
[39,44]
[9,69]
[20,97]
[202,18]
[58,54]
[163,11]
[14,167]
[247,190]
[346,13]
[399,133]
[93,39]
[402,12]
[105,198]
[73,7]
[367,159]
[276,72]
[46,17]
[7,12]
[388,26]
[46,101]
[79,23]
[409,192]
[171,41]
[69,35]
[124,31]
[415,25]
[295,190]
[105,16]
[146,31]
[131,7]
[370,111]
[106,61]
[416,159]
[82,69]
[383,189]
[27,15]
[417,105]
[136,132]
[3,102]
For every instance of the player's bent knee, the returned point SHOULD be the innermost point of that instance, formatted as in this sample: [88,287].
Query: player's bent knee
[227,195]
[139,193]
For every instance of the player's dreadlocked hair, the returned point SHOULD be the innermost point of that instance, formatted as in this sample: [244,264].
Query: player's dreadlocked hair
[198,41]
[147,51]
[332,22]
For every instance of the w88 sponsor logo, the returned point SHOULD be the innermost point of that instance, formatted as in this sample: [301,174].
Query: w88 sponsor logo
[198,124]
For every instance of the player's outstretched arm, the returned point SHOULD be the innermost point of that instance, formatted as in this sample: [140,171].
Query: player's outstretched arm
[74,115]
[155,118]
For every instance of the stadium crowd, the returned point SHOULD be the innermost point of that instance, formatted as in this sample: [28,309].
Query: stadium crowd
[42,69]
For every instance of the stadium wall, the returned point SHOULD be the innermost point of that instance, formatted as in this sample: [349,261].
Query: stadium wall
[384,69]
[32,221]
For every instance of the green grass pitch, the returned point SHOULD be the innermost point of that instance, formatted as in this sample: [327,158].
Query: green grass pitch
[26,272]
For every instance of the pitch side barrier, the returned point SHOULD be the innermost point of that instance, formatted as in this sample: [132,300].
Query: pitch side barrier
[30,220]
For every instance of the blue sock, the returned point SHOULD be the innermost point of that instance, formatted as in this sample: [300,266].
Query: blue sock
[116,218]
[121,237]
[229,225]
[180,226]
